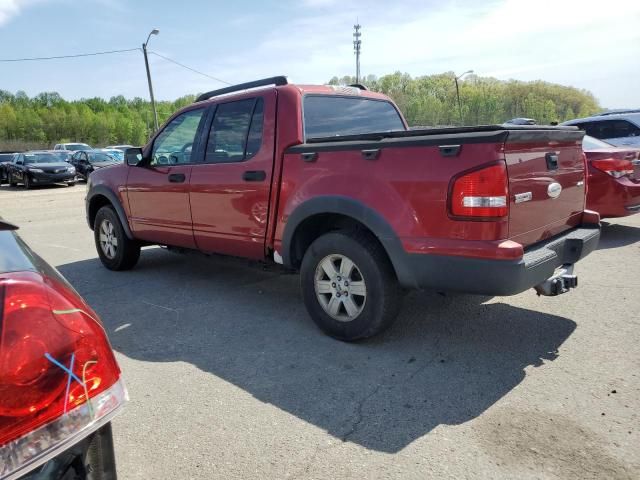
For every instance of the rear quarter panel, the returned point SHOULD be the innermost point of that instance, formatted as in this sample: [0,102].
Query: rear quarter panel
[407,186]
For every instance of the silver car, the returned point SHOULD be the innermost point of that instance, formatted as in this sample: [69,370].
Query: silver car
[617,128]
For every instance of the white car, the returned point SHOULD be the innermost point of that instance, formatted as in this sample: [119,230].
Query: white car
[119,147]
[619,128]
[72,147]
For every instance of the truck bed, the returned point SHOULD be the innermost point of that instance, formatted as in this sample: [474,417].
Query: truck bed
[410,174]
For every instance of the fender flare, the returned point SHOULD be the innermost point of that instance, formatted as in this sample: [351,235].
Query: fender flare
[357,210]
[115,202]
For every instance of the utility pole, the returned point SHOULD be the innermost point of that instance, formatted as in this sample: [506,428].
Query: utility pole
[155,31]
[455,79]
[356,48]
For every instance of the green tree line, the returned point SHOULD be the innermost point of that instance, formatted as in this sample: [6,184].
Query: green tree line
[431,100]
[428,100]
[47,119]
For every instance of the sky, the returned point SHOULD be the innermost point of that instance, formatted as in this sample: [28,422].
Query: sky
[588,44]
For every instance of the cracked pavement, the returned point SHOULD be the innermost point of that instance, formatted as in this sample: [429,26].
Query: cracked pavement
[229,378]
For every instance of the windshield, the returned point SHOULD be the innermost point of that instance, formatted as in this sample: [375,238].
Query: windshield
[115,154]
[334,116]
[40,158]
[591,143]
[98,157]
[77,146]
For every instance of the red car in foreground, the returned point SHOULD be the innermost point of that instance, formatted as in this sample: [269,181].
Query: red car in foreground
[60,384]
[614,178]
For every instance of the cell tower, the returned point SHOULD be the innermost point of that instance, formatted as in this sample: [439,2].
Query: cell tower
[356,48]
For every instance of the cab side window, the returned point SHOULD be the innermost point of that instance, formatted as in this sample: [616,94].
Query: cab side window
[175,143]
[236,131]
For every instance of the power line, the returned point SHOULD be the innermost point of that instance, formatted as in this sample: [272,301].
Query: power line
[189,68]
[92,54]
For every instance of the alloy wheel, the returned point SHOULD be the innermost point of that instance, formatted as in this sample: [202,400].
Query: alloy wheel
[340,287]
[108,239]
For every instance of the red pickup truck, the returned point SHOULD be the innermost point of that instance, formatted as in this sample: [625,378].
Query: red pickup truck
[329,181]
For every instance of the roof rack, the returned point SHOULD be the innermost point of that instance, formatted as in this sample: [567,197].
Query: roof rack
[618,111]
[358,85]
[279,80]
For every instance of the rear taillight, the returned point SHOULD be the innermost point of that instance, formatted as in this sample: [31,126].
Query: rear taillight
[481,193]
[59,379]
[615,167]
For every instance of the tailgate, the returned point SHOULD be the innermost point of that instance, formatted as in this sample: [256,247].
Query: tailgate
[546,182]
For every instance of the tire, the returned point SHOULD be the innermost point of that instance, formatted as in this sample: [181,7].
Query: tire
[71,184]
[12,182]
[122,254]
[99,460]
[376,304]
[26,182]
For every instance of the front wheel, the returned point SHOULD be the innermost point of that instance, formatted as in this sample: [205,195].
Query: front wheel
[115,249]
[26,182]
[349,286]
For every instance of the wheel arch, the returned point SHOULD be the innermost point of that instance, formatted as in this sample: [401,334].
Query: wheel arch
[329,213]
[100,196]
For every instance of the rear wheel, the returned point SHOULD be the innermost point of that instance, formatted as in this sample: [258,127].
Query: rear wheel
[349,286]
[115,249]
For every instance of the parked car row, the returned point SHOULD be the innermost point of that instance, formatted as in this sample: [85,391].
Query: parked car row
[46,167]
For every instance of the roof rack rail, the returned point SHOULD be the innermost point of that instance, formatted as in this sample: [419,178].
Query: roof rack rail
[618,111]
[279,80]
[358,85]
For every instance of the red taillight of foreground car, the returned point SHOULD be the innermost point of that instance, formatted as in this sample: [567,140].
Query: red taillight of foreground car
[58,376]
[481,193]
[615,167]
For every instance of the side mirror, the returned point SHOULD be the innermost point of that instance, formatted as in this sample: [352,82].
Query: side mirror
[133,156]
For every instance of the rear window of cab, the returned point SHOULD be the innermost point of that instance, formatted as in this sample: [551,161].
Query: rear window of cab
[335,116]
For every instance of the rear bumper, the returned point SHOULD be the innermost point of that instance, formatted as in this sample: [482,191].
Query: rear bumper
[497,277]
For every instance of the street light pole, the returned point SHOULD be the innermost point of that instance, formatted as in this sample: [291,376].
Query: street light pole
[155,31]
[458,93]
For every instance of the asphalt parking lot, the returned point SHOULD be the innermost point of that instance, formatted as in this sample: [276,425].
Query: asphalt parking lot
[229,378]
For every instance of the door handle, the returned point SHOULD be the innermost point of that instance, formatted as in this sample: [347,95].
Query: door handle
[552,161]
[176,177]
[371,154]
[309,156]
[254,175]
